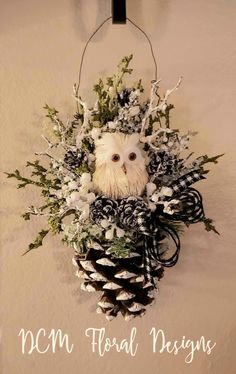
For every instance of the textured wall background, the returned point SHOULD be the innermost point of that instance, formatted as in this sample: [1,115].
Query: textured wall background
[40,48]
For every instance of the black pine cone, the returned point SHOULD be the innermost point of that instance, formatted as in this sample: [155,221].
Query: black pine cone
[74,159]
[162,163]
[103,208]
[133,212]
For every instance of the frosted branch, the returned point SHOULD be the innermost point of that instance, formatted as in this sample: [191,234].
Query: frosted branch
[169,92]
[151,107]
[161,104]
[86,116]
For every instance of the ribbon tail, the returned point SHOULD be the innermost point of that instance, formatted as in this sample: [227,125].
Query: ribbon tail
[147,262]
[152,252]
[186,181]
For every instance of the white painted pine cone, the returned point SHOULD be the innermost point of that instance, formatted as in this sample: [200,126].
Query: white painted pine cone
[138,279]
[129,316]
[111,286]
[124,274]
[81,274]
[125,295]
[87,287]
[105,262]
[135,307]
[98,277]
[105,303]
[87,265]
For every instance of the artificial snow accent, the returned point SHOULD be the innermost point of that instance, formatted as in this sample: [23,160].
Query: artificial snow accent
[124,274]
[88,265]
[105,262]
[125,295]
[111,286]
[135,307]
[87,287]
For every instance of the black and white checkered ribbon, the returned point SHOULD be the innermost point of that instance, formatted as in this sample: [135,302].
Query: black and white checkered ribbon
[191,207]
[152,244]
[185,181]
[134,213]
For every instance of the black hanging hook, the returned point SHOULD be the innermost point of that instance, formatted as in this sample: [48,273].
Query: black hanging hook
[118,11]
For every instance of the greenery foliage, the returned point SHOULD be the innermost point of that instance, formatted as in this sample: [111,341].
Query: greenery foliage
[58,184]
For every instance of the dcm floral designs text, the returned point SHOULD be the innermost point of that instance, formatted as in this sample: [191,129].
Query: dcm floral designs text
[45,342]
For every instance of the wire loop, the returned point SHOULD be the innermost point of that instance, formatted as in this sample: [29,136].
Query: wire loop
[95,32]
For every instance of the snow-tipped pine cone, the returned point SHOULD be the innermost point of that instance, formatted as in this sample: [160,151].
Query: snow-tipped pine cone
[133,212]
[162,163]
[103,208]
[122,281]
[74,159]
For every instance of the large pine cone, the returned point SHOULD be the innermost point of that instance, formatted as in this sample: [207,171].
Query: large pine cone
[122,281]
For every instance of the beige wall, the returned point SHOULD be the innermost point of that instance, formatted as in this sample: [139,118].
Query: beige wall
[40,47]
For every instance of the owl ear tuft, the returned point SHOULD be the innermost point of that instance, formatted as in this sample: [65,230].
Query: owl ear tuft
[111,139]
[133,139]
[105,140]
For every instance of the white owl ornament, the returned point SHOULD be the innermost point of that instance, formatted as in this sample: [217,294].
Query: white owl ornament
[120,168]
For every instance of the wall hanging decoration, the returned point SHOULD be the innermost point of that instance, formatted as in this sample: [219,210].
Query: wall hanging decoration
[117,180]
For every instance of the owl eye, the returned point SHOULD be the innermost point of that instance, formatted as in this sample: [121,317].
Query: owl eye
[115,157]
[132,156]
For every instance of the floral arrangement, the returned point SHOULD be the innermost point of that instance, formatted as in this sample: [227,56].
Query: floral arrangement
[125,231]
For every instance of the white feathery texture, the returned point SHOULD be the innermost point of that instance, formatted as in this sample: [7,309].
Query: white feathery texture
[125,177]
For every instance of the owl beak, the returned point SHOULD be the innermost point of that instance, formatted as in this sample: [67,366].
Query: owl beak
[124,168]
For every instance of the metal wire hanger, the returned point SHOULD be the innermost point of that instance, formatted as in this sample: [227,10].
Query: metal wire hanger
[95,32]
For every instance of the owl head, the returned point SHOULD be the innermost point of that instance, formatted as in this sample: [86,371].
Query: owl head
[120,165]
